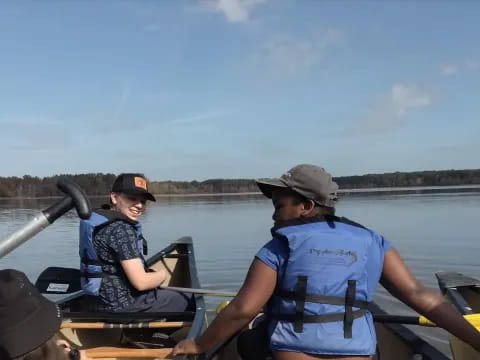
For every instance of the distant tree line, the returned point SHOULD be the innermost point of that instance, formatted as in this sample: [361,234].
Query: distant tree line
[98,184]
[406,179]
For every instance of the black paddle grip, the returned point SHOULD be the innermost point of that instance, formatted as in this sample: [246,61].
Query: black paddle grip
[76,197]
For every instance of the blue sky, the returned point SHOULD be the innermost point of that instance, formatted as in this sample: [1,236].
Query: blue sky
[189,90]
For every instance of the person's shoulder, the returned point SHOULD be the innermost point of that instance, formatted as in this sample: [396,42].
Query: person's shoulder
[376,237]
[350,222]
[118,227]
[358,226]
[276,244]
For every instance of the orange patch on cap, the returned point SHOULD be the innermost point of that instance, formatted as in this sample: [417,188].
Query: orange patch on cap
[140,182]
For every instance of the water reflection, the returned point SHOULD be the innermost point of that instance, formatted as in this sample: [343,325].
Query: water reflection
[432,232]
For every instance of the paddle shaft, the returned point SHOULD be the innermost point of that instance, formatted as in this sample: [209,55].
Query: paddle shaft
[76,197]
[17,238]
[114,352]
[473,319]
[200,291]
[51,277]
[400,319]
[139,325]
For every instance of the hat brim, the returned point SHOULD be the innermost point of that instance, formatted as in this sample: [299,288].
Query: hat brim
[267,186]
[30,334]
[145,194]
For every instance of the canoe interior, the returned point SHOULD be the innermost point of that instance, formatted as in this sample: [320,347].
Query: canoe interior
[179,262]
[464,293]
[395,342]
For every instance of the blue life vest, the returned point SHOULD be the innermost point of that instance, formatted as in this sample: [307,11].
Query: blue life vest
[324,288]
[90,265]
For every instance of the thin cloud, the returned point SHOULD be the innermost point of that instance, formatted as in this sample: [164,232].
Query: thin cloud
[393,110]
[286,57]
[235,11]
[190,120]
[449,69]
[464,67]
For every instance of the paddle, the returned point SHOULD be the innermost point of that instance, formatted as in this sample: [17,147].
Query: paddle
[75,197]
[473,319]
[117,352]
[140,325]
[58,280]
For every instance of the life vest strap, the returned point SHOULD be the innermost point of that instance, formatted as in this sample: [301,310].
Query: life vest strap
[300,293]
[349,303]
[97,275]
[324,318]
[300,297]
[321,299]
[87,262]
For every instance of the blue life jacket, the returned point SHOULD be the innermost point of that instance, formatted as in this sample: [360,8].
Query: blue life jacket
[90,265]
[322,295]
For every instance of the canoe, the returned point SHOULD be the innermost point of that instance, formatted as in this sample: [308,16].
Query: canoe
[128,336]
[464,293]
[395,342]
[137,335]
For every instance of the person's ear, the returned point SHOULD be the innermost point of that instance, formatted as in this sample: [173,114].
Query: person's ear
[307,207]
[113,198]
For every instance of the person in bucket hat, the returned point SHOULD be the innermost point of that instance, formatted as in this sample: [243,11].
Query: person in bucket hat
[28,322]
[316,278]
[112,249]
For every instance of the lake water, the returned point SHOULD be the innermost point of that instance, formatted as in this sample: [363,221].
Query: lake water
[433,232]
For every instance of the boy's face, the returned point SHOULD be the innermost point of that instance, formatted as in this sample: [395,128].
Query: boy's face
[287,205]
[131,206]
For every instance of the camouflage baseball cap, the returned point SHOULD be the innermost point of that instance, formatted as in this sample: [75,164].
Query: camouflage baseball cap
[310,181]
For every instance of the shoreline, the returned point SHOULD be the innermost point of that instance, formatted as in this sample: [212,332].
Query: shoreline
[393,190]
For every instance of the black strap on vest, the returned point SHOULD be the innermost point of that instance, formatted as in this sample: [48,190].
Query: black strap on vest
[300,297]
[145,245]
[349,300]
[300,293]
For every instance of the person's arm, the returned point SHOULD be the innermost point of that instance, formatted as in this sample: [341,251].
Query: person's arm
[399,281]
[139,278]
[254,294]
[124,244]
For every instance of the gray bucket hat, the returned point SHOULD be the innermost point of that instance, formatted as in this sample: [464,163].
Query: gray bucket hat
[310,181]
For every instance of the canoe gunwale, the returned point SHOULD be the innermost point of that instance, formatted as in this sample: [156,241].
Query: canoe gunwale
[198,323]
[454,286]
[450,282]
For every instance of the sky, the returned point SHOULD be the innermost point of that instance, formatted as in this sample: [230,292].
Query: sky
[193,90]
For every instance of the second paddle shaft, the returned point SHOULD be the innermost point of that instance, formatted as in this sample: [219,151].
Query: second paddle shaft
[201,291]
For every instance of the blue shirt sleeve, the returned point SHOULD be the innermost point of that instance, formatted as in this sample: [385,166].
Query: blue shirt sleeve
[273,254]
[385,244]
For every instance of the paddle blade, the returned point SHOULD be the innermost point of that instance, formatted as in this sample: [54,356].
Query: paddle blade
[57,280]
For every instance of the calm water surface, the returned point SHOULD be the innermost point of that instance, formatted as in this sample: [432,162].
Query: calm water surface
[432,232]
